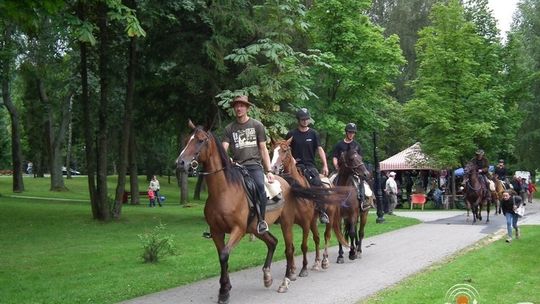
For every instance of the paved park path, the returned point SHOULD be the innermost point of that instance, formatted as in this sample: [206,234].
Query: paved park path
[387,259]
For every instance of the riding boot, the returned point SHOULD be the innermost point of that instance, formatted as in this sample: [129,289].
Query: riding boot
[262,226]
[323,217]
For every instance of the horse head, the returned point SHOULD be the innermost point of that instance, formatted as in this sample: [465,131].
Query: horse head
[282,155]
[196,149]
[352,161]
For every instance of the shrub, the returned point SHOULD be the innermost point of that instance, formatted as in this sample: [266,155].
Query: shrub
[155,245]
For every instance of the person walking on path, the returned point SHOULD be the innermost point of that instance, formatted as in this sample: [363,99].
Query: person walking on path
[509,204]
[154,185]
[247,138]
[304,145]
[532,190]
[391,192]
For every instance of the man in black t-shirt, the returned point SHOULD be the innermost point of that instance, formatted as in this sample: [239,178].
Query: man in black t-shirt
[305,144]
[344,145]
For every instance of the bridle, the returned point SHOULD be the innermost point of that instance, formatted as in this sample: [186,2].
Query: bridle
[354,168]
[194,163]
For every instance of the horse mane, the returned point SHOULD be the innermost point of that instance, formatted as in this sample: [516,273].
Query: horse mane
[233,176]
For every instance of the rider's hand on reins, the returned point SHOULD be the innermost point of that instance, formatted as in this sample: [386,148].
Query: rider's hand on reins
[270,177]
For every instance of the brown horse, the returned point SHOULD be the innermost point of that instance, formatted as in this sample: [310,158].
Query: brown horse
[227,210]
[476,194]
[352,172]
[307,219]
[499,189]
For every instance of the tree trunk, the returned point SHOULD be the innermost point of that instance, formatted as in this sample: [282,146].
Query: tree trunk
[16,152]
[68,148]
[87,122]
[126,128]
[54,138]
[102,194]
[133,176]
[198,187]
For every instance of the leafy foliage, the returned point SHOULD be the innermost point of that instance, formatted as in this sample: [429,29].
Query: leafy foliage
[456,106]
[156,245]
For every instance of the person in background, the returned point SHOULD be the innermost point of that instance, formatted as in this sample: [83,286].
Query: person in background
[500,171]
[532,190]
[151,198]
[524,189]
[304,146]
[482,164]
[154,185]
[509,204]
[391,192]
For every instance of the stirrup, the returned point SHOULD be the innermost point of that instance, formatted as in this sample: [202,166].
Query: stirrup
[262,227]
[323,217]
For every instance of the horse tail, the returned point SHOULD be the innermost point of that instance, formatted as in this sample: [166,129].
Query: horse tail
[321,196]
[336,226]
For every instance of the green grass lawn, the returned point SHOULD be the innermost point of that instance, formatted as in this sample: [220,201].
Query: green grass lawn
[54,252]
[500,272]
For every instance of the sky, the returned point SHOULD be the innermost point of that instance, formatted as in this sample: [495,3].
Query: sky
[503,11]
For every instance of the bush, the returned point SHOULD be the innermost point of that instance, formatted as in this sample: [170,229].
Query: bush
[155,245]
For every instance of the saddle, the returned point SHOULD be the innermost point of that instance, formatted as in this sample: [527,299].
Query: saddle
[273,191]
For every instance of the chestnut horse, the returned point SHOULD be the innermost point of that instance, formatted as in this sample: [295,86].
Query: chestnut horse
[476,194]
[351,168]
[282,158]
[227,210]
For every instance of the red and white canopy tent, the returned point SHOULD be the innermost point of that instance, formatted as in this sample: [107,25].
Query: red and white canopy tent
[411,158]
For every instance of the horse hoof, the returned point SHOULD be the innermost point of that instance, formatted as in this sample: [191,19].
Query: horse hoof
[267,278]
[284,287]
[303,273]
[340,260]
[316,266]
[352,256]
[325,263]
[223,298]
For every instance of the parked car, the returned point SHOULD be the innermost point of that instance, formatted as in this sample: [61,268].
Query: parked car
[73,172]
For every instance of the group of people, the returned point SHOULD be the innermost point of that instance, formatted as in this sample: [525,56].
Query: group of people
[513,199]
[246,137]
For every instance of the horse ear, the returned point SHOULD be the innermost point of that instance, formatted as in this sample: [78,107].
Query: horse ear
[191,125]
[289,141]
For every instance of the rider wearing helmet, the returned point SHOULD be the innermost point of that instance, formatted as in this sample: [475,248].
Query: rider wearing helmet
[343,145]
[305,144]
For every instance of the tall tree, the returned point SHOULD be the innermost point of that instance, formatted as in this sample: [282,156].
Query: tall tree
[524,61]
[7,59]
[455,108]
[362,64]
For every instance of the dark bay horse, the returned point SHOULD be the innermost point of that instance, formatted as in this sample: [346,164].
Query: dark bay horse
[352,172]
[307,219]
[227,210]
[476,194]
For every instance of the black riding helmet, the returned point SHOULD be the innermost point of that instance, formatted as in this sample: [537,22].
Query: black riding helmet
[302,114]
[350,127]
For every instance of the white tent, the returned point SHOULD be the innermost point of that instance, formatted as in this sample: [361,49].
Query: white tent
[411,158]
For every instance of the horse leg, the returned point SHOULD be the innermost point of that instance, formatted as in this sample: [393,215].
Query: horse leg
[340,259]
[327,233]
[488,207]
[304,247]
[354,241]
[317,240]
[223,254]
[361,233]
[286,227]
[271,243]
